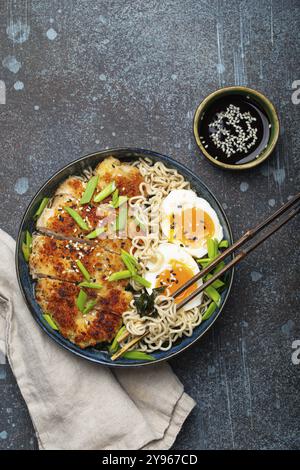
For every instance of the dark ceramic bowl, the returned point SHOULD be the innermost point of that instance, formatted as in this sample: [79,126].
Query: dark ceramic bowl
[27,283]
[257,98]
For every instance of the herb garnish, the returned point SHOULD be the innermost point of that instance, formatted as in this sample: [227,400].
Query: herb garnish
[144,303]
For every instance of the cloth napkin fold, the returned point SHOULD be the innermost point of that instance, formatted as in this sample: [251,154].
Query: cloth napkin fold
[75,404]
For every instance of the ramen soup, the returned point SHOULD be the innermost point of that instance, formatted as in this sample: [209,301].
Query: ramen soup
[111,247]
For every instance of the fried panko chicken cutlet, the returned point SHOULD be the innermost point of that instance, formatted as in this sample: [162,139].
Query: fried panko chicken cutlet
[70,266]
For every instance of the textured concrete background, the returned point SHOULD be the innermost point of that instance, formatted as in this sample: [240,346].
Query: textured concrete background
[81,76]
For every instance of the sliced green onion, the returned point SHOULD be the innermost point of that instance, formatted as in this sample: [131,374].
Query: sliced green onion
[89,306]
[78,219]
[213,294]
[107,191]
[129,261]
[81,300]
[219,267]
[121,200]
[26,246]
[83,270]
[131,258]
[119,275]
[216,284]
[114,346]
[141,280]
[224,244]
[26,251]
[90,285]
[115,197]
[95,233]
[210,310]
[89,190]
[212,248]
[138,355]
[204,261]
[28,239]
[50,321]
[41,207]
[121,220]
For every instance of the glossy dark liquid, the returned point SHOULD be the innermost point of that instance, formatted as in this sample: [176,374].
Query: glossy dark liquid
[246,105]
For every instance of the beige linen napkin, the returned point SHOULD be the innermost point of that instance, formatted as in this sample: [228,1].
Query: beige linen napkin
[75,404]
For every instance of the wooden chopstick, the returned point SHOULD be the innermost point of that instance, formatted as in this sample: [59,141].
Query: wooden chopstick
[245,238]
[128,346]
[238,258]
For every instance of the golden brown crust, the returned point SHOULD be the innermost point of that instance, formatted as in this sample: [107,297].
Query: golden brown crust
[126,177]
[53,258]
[56,221]
[72,186]
[58,299]
[57,259]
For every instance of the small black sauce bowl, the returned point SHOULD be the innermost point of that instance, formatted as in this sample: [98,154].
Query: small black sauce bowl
[258,98]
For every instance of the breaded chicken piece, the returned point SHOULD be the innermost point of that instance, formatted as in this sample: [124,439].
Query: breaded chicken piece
[55,220]
[56,258]
[58,299]
[126,177]
[72,186]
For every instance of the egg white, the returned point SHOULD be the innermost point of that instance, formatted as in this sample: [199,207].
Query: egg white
[183,199]
[165,253]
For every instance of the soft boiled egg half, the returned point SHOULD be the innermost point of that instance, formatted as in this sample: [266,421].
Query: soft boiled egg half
[172,267]
[188,221]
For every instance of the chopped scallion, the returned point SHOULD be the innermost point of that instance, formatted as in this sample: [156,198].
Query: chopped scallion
[138,355]
[89,190]
[115,345]
[83,270]
[81,300]
[204,261]
[78,219]
[210,310]
[41,207]
[224,244]
[212,248]
[95,233]
[28,239]
[213,294]
[115,198]
[26,251]
[26,246]
[141,280]
[129,261]
[121,220]
[50,321]
[107,191]
[217,284]
[121,200]
[90,304]
[90,285]
[220,266]
[118,276]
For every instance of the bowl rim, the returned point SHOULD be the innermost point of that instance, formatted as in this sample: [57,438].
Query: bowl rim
[267,104]
[69,346]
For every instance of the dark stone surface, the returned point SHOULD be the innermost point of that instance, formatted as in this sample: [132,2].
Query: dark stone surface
[131,74]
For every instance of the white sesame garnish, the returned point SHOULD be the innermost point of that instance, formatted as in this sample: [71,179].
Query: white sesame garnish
[229,135]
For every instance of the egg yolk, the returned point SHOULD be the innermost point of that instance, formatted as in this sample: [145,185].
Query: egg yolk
[191,226]
[175,277]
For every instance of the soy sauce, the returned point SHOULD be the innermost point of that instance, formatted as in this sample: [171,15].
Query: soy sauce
[252,130]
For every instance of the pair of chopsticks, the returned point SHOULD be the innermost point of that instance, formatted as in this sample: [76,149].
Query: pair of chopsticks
[245,238]
[292,204]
